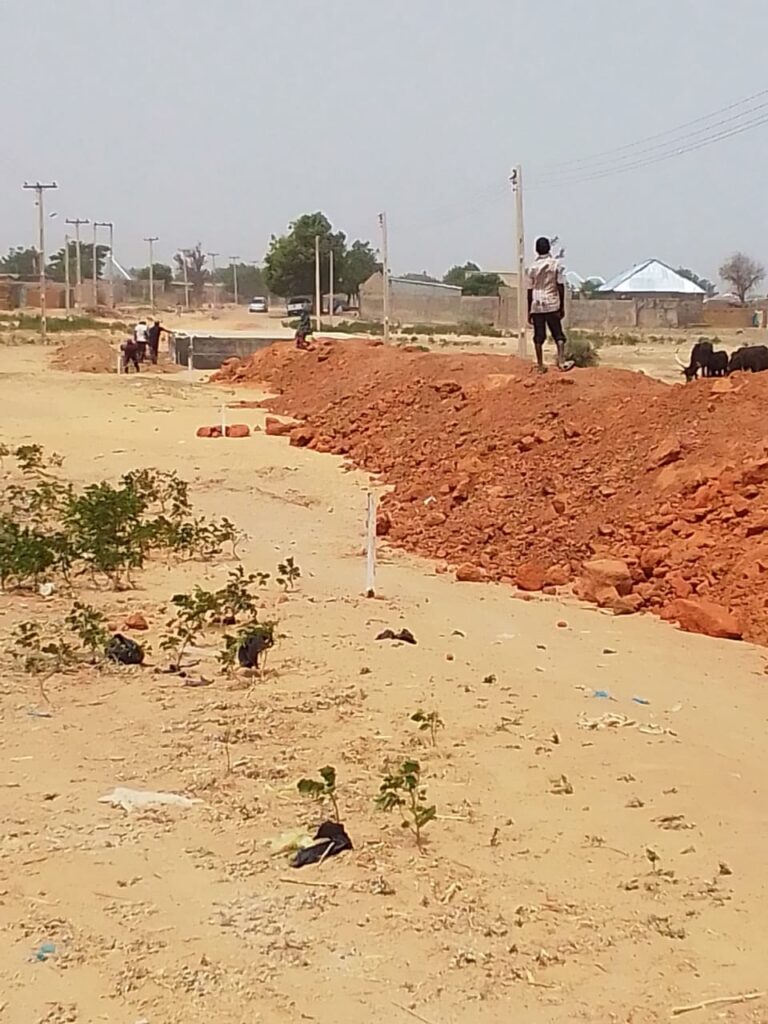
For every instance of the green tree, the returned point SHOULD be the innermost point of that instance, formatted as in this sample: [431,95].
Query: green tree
[742,273]
[360,263]
[160,272]
[457,276]
[422,276]
[250,281]
[195,260]
[481,284]
[702,282]
[289,266]
[57,272]
[20,261]
[589,288]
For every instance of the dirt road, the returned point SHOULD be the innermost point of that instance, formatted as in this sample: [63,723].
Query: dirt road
[535,899]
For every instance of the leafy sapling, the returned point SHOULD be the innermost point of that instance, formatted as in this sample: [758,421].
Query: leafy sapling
[429,721]
[319,790]
[403,790]
[288,574]
[191,616]
[90,627]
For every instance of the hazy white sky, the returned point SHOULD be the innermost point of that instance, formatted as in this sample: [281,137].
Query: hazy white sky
[220,122]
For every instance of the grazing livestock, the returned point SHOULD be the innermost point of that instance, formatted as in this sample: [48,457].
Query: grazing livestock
[718,364]
[749,358]
[701,354]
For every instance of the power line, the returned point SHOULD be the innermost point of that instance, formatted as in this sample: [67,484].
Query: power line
[615,151]
[649,160]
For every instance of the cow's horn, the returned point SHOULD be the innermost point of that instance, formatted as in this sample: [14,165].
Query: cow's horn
[679,360]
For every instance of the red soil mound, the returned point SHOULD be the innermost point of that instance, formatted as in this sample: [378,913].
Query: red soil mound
[528,477]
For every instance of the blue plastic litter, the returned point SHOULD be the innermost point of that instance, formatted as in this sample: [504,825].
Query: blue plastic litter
[602,693]
[640,700]
[47,949]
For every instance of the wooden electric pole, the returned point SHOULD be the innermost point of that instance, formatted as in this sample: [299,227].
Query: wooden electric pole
[39,190]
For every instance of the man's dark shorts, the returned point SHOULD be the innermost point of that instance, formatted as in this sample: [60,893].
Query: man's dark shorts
[542,321]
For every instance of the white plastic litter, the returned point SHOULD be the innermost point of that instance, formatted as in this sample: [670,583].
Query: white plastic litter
[46,589]
[137,799]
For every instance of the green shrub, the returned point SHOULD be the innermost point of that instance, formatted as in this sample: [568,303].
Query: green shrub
[581,352]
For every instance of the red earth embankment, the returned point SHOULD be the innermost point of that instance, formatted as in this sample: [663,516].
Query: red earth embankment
[512,476]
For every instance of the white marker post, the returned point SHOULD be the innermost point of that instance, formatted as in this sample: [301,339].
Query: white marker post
[370,561]
[119,362]
[190,355]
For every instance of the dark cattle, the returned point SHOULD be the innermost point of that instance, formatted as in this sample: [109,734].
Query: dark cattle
[718,364]
[701,354]
[750,358]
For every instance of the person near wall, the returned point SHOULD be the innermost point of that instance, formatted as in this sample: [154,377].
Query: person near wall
[546,303]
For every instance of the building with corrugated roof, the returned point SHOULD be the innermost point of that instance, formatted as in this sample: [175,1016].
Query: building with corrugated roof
[650,278]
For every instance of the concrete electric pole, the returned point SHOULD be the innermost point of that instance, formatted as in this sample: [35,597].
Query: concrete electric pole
[385,271]
[66,274]
[39,190]
[233,263]
[94,270]
[330,287]
[318,290]
[78,261]
[522,305]
[151,239]
[111,226]
[212,256]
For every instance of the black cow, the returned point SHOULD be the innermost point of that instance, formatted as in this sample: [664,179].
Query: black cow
[701,354]
[749,358]
[718,364]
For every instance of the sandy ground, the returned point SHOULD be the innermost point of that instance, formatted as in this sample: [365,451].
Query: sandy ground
[529,904]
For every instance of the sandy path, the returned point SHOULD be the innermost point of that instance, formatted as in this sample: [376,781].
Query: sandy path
[528,905]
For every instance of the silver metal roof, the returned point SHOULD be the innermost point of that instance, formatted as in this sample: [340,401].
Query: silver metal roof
[651,276]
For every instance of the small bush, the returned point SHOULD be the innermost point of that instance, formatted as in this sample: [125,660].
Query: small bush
[581,352]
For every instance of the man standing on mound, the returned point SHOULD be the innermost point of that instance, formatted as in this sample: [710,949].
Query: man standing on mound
[546,303]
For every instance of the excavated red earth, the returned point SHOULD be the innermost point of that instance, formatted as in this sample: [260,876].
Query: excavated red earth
[512,476]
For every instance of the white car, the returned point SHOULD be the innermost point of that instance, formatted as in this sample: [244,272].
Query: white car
[258,304]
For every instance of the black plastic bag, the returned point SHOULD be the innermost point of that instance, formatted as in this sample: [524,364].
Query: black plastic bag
[331,839]
[251,648]
[405,635]
[124,651]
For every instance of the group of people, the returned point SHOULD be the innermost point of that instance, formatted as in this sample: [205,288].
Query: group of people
[145,339]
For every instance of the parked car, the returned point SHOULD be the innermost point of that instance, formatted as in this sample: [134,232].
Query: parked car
[258,304]
[296,305]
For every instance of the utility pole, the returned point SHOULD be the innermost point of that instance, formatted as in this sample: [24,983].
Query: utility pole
[330,286]
[111,225]
[212,257]
[39,189]
[184,256]
[522,305]
[385,271]
[66,273]
[318,292]
[151,239]
[78,261]
[94,269]
[233,263]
